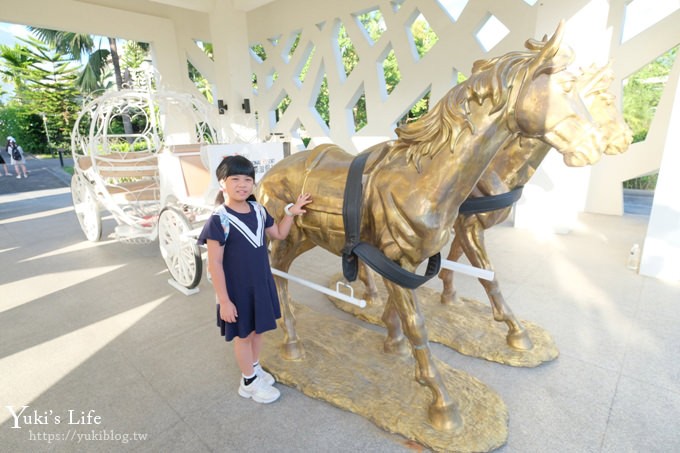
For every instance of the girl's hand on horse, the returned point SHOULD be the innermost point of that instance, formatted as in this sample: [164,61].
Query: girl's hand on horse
[302,200]
[228,311]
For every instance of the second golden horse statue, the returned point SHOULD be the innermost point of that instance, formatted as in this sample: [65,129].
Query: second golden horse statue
[512,168]
[414,185]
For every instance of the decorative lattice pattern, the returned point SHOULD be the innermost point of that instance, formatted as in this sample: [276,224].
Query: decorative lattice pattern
[292,67]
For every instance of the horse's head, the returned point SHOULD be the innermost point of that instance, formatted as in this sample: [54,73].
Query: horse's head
[549,105]
[594,85]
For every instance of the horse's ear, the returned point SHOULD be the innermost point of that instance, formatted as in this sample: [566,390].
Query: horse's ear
[546,60]
[556,39]
[553,44]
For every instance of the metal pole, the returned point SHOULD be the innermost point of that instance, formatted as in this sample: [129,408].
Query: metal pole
[468,270]
[338,295]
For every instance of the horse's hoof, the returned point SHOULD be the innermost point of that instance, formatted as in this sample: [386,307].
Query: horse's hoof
[293,351]
[400,347]
[450,299]
[520,340]
[373,300]
[445,418]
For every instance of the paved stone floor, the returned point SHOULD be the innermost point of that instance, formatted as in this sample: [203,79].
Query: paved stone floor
[109,357]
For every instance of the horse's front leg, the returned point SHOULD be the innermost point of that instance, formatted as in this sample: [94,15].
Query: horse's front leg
[367,277]
[443,412]
[395,343]
[472,242]
[282,255]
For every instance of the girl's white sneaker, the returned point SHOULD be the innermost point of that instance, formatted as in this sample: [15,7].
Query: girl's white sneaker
[259,391]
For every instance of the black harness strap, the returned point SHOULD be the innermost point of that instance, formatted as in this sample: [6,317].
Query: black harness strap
[351,216]
[371,255]
[491,202]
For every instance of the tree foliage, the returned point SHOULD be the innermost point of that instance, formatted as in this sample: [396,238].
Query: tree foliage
[49,82]
[642,93]
[202,84]
[45,99]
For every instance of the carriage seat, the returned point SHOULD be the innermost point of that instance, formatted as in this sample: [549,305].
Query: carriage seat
[127,177]
[196,176]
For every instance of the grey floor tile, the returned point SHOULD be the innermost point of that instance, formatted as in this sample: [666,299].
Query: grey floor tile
[644,418]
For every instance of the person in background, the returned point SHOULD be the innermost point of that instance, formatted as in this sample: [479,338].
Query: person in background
[16,154]
[4,166]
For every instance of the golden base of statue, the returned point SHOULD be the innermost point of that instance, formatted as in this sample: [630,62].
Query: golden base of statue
[467,327]
[345,365]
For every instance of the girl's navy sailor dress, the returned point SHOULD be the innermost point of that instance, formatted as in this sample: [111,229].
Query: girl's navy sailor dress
[250,283]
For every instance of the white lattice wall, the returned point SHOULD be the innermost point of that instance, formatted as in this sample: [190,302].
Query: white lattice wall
[276,27]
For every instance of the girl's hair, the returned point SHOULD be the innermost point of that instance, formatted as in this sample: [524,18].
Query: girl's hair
[234,165]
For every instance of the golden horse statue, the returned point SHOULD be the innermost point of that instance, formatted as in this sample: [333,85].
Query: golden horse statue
[513,167]
[414,185]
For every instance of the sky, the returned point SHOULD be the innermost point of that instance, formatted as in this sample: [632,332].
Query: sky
[641,14]
[9,32]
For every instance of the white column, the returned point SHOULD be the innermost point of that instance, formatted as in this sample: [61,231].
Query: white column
[556,194]
[661,250]
[229,32]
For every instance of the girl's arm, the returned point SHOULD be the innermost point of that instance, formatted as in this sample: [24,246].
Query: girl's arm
[280,231]
[215,254]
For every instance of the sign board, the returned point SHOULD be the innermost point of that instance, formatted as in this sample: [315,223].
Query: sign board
[263,156]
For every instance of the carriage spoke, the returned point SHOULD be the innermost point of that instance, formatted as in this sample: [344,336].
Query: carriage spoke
[182,256]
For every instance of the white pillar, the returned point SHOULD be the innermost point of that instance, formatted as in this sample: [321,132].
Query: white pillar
[229,32]
[556,194]
[661,250]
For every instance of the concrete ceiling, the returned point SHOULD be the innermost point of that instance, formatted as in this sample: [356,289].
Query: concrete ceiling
[206,6]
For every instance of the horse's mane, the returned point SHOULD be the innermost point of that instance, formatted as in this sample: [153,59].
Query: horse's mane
[491,79]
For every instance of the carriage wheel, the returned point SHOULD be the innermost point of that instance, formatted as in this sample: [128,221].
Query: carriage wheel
[181,254]
[86,207]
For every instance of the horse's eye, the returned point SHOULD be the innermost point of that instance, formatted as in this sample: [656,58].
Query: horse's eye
[568,84]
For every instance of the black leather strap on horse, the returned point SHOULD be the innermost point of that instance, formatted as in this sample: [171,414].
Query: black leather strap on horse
[491,202]
[371,255]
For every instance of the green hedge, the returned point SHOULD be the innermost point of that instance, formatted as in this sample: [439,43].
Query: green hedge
[27,128]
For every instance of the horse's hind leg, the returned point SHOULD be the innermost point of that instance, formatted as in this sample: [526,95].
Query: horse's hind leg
[282,255]
[443,412]
[472,242]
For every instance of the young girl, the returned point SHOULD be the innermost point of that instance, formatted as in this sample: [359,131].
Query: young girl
[238,263]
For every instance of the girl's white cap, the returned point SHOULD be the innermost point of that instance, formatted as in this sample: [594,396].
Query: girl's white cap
[10,139]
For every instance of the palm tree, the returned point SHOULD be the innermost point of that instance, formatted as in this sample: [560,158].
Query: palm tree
[16,61]
[92,75]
